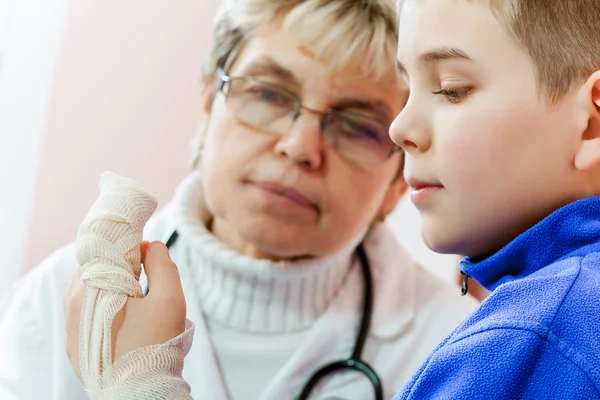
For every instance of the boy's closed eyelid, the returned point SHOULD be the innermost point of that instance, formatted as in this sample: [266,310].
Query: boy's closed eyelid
[452,72]
[458,69]
[456,79]
[454,82]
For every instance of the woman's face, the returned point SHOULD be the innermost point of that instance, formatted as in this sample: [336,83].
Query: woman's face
[295,194]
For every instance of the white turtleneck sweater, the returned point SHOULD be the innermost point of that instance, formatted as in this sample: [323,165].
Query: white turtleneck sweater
[262,327]
[254,309]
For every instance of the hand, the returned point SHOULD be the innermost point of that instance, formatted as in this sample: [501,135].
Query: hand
[154,319]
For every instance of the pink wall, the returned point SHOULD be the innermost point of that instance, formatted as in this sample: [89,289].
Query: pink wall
[124,99]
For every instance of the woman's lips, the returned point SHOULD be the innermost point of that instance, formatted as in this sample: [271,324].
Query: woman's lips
[282,194]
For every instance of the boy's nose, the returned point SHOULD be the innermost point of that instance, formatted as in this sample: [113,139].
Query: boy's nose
[408,132]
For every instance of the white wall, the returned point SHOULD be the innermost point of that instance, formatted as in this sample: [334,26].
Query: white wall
[5,17]
[405,223]
[30,32]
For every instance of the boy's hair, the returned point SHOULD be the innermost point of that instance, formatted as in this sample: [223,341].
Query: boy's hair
[343,33]
[562,37]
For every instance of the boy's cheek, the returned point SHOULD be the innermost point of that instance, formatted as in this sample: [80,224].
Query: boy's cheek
[477,144]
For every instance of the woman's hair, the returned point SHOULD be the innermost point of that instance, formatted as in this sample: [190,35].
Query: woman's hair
[342,33]
[362,33]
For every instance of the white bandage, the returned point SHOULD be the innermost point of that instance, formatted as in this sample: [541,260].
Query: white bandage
[108,250]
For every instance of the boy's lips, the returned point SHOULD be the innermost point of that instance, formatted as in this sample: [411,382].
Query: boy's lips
[422,190]
[417,184]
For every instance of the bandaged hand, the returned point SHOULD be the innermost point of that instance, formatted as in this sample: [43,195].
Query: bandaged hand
[124,345]
[151,320]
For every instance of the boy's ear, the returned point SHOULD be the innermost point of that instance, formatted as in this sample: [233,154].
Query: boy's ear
[588,155]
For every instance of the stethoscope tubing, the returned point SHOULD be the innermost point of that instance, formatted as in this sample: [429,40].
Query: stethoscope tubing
[354,363]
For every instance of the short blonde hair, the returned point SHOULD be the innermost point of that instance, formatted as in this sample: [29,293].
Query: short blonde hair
[560,36]
[362,33]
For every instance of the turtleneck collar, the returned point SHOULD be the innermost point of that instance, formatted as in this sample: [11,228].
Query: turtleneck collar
[570,231]
[253,295]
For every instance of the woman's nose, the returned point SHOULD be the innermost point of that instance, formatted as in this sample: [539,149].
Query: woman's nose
[303,143]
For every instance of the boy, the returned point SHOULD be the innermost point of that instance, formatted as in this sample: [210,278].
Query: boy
[502,137]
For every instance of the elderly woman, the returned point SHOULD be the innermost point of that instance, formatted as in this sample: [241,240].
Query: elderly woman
[277,229]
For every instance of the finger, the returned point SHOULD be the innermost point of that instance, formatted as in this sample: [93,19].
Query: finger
[163,276]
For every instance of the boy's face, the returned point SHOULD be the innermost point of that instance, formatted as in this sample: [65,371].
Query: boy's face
[486,156]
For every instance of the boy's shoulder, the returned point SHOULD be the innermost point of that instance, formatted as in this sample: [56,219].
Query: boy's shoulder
[536,331]
[576,325]
[559,305]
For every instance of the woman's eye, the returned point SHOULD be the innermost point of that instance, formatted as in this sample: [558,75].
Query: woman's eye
[454,95]
[359,130]
[265,94]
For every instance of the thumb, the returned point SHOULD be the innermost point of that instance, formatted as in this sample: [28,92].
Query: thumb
[163,275]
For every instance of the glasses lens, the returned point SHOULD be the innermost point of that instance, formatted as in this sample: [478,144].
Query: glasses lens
[269,108]
[358,138]
[261,105]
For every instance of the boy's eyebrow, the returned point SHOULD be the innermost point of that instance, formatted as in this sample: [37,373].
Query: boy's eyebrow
[437,55]
[443,53]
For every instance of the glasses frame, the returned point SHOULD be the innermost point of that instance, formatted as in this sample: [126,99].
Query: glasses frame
[224,83]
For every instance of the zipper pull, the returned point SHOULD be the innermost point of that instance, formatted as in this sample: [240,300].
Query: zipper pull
[465,284]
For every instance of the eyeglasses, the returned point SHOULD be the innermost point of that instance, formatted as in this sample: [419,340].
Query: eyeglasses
[273,109]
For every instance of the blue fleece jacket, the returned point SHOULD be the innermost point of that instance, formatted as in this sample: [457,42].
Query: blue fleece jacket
[537,336]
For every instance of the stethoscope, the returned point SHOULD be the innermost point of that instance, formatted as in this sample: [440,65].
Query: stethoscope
[355,362]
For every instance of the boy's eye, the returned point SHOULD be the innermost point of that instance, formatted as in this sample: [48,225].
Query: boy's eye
[454,95]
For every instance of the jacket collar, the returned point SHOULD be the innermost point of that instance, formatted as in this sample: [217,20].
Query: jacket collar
[573,230]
